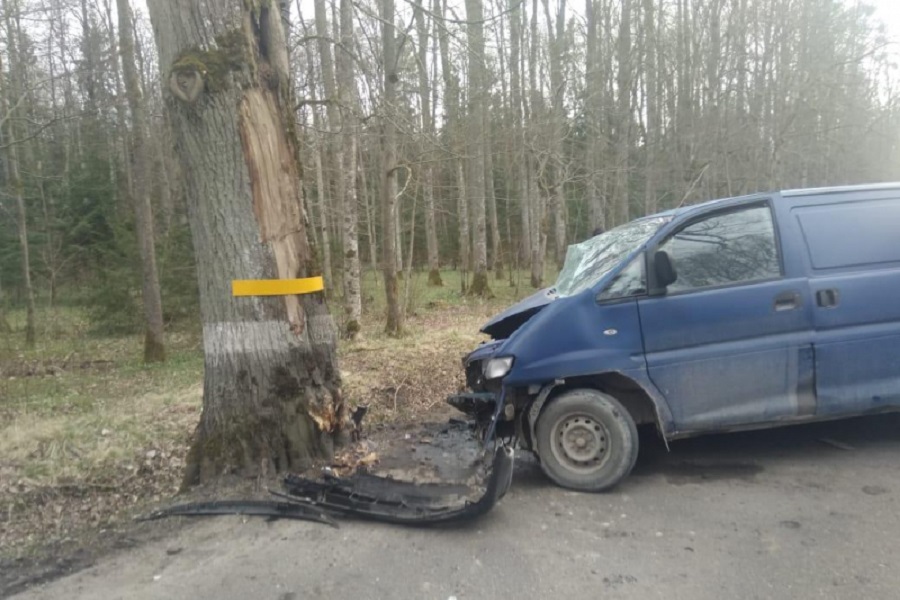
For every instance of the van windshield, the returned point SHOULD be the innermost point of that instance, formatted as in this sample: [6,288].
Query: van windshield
[587,262]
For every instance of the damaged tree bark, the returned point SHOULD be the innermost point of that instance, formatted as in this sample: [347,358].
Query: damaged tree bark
[271,394]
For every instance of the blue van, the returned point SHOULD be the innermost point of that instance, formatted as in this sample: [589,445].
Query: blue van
[741,313]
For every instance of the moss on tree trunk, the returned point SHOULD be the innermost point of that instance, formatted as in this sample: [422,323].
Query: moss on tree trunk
[434,278]
[480,285]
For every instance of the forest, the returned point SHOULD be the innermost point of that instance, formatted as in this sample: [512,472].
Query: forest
[509,130]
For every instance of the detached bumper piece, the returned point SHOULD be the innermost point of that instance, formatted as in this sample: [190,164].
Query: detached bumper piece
[480,405]
[367,497]
[387,500]
[256,508]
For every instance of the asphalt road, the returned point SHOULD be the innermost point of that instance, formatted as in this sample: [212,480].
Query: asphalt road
[801,512]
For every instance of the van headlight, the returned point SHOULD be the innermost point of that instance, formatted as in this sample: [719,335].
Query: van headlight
[497,367]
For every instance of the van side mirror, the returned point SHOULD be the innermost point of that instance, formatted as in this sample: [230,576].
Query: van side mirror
[664,269]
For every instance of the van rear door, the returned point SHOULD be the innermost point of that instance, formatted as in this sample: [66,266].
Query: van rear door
[853,252]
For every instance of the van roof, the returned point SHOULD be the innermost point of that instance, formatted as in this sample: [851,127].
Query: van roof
[785,193]
[844,188]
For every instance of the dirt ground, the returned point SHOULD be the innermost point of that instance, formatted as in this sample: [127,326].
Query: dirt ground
[801,512]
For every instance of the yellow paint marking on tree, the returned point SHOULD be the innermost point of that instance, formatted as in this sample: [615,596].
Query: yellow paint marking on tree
[276,287]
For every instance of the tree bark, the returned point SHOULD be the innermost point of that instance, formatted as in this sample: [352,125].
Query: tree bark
[154,343]
[271,397]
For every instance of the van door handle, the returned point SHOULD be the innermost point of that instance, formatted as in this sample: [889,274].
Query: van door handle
[787,301]
[828,298]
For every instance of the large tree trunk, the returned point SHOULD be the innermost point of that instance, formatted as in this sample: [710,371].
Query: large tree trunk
[271,397]
[154,345]
[476,181]
[394,324]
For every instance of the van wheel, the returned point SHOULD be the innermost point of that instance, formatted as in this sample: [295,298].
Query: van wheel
[586,441]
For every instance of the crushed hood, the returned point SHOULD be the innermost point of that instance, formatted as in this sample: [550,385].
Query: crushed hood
[505,323]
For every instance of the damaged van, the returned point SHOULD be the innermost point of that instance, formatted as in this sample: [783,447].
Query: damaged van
[734,314]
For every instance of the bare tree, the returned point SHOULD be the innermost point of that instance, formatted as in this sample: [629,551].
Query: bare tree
[332,135]
[651,135]
[349,154]
[593,94]
[476,143]
[389,167]
[623,116]
[10,100]
[556,30]
[425,88]
[154,345]
[518,175]
[538,215]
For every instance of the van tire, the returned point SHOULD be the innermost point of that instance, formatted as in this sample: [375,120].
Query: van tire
[586,440]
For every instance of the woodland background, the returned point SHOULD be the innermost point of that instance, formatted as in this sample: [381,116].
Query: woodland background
[518,127]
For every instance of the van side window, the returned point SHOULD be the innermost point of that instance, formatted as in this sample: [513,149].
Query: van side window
[848,235]
[725,249]
[631,281]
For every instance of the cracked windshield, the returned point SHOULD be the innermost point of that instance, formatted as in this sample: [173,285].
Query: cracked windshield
[587,262]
